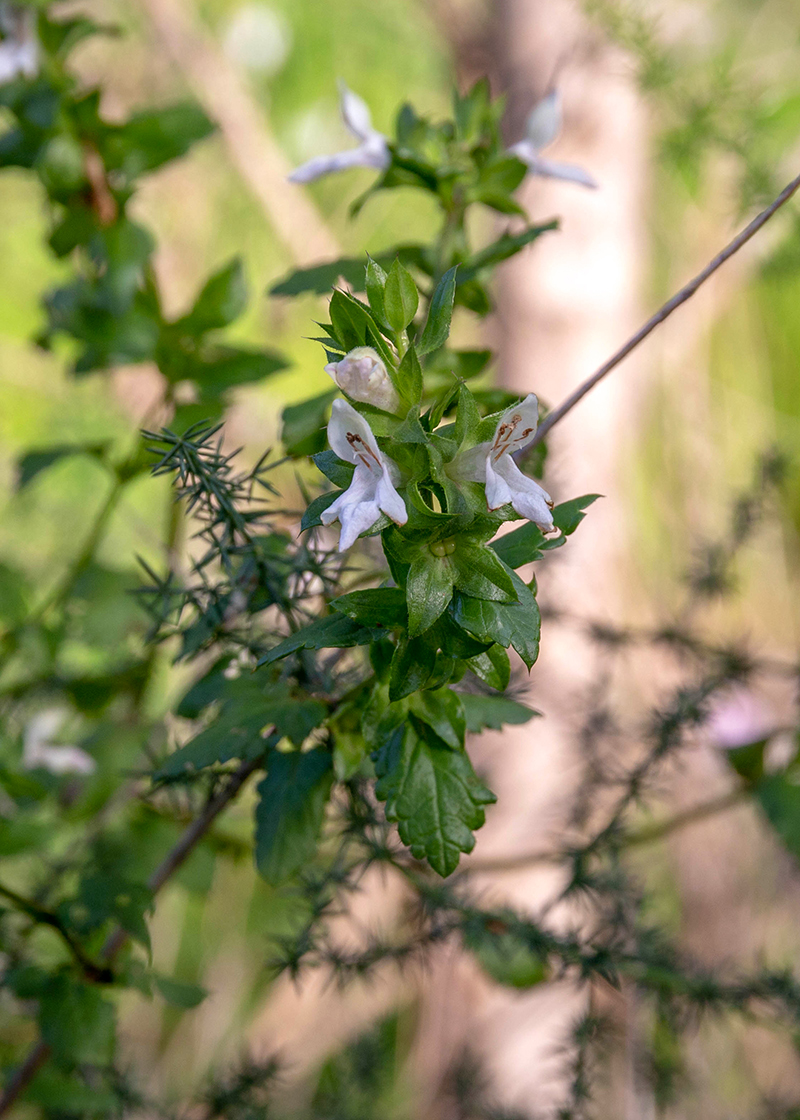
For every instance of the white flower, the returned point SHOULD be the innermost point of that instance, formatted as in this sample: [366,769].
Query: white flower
[19,48]
[373,150]
[39,751]
[362,375]
[493,463]
[372,490]
[543,126]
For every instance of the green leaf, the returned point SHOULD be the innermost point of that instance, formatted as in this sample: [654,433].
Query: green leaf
[434,795]
[779,798]
[479,573]
[178,993]
[748,760]
[334,468]
[354,326]
[33,463]
[380,606]
[290,811]
[14,596]
[320,278]
[221,368]
[150,139]
[103,897]
[493,711]
[506,246]
[505,954]
[412,666]
[76,1022]
[568,516]
[409,377]
[375,285]
[437,327]
[400,298]
[442,711]
[429,589]
[509,624]
[528,542]
[315,509]
[222,299]
[303,426]
[334,632]
[493,667]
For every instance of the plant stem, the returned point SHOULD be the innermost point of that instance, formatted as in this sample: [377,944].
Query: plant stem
[664,312]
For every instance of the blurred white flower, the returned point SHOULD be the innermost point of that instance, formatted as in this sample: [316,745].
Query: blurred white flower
[19,47]
[39,751]
[372,490]
[258,38]
[362,375]
[492,462]
[373,150]
[544,124]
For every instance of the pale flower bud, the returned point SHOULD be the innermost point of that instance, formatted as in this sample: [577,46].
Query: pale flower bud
[362,376]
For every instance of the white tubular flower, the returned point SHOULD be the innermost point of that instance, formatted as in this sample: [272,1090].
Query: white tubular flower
[372,490]
[362,375]
[493,463]
[372,151]
[544,124]
[39,751]
[19,47]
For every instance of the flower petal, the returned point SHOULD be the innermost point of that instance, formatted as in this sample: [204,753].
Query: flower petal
[527,497]
[544,122]
[351,438]
[390,502]
[355,113]
[569,172]
[469,465]
[497,491]
[516,428]
[315,168]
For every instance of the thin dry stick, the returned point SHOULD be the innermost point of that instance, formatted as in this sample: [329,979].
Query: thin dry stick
[671,305]
[261,163]
[40,1053]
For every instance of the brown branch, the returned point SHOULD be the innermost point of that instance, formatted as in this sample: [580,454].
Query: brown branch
[253,149]
[671,305]
[40,1053]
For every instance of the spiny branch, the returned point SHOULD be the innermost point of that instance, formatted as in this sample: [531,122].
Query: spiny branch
[40,1053]
[663,313]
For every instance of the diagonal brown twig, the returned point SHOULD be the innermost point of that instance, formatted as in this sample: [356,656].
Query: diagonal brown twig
[40,1053]
[664,312]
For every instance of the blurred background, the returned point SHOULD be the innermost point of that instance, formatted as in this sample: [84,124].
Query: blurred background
[688,116]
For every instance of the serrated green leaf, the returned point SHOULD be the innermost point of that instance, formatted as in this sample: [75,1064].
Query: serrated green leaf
[290,811]
[492,666]
[437,327]
[76,1022]
[442,711]
[411,668]
[434,795]
[334,468]
[479,573]
[375,283]
[509,624]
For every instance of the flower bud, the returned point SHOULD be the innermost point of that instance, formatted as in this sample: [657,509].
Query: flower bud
[362,375]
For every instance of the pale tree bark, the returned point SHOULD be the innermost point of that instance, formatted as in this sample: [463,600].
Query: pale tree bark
[564,306]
